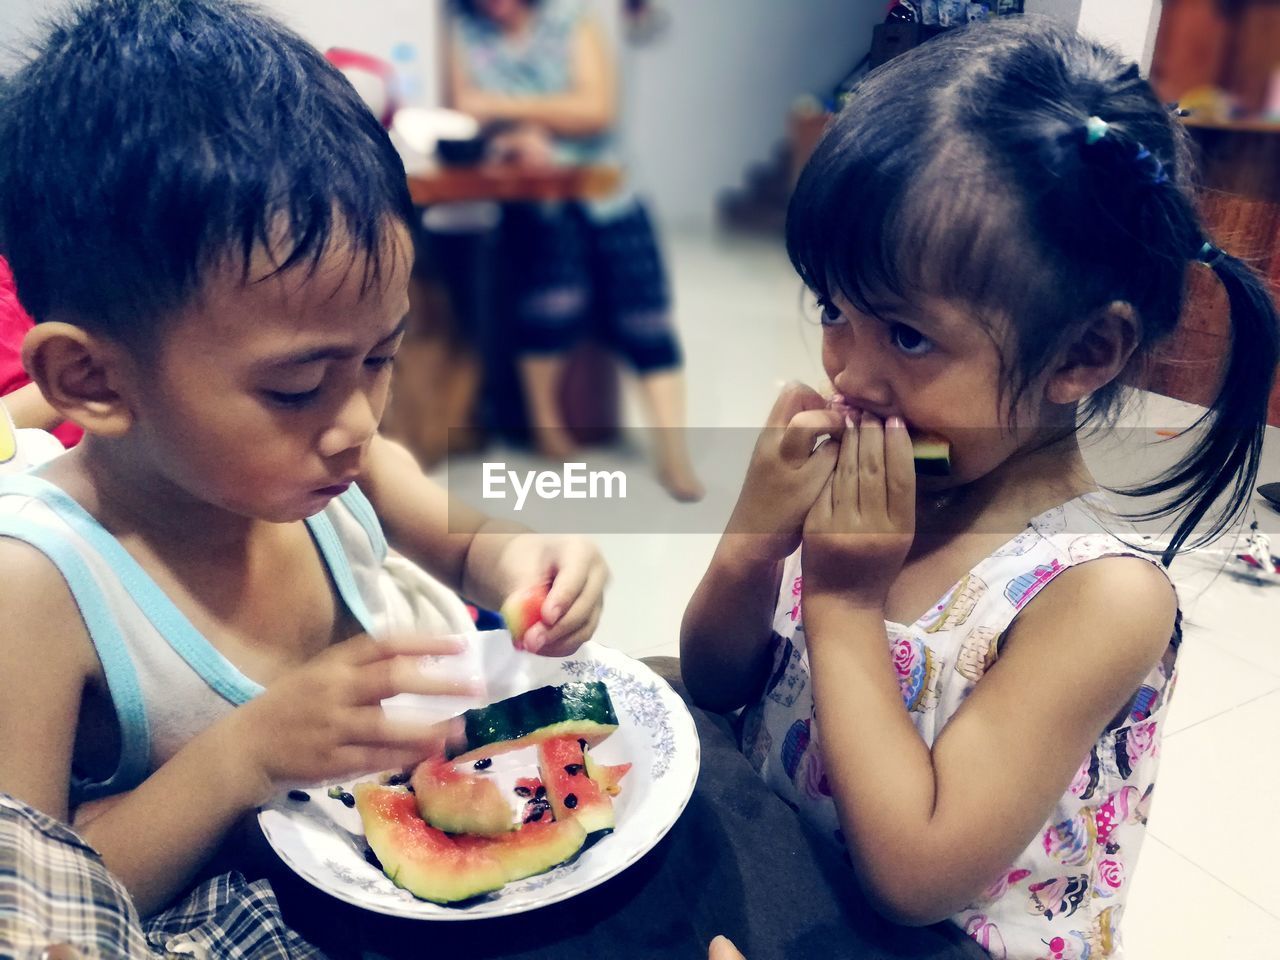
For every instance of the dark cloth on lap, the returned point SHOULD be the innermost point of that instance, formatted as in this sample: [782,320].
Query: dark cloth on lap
[737,862]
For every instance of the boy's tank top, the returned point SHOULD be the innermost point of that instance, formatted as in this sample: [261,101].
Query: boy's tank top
[1064,895]
[167,682]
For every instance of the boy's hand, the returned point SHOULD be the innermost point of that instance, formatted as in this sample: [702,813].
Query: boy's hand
[785,476]
[857,534]
[577,573]
[324,720]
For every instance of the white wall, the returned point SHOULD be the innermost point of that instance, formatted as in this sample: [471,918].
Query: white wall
[403,32]
[1129,26]
[711,96]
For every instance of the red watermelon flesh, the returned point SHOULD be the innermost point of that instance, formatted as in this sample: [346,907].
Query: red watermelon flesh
[534,848]
[572,793]
[427,862]
[455,801]
[523,609]
[609,778]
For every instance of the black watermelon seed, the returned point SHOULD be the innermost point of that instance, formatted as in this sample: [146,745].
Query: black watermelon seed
[536,814]
[347,799]
[570,801]
[582,744]
[484,763]
[542,792]
[300,795]
[372,858]
[410,789]
[573,769]
[398,778]
[523,792]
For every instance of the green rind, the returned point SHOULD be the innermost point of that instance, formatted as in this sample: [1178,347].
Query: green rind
[520,858]
[579,709]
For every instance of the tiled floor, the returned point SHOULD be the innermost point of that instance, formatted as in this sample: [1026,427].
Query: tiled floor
[1206,886]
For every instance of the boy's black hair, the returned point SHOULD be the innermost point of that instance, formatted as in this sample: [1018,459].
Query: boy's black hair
[149,140]
[965,169]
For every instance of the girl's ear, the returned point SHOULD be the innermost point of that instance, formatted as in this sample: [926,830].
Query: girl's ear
[84,376]
[1097,355]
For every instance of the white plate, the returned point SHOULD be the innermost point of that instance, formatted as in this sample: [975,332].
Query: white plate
[323,841]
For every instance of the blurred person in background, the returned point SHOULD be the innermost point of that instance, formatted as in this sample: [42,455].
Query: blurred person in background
[538,72]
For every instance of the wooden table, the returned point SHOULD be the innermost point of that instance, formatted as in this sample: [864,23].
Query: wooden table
[509,184]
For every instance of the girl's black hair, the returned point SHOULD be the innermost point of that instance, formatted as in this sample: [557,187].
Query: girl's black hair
[967,169]
[468,7]
[149,140]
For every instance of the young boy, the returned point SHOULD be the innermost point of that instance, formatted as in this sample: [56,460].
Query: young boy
[212,233]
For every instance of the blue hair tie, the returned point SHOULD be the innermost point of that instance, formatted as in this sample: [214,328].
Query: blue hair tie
[1209,255]
[1096,129]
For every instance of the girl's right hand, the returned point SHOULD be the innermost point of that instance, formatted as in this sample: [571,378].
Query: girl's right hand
[785,476]
[323,721]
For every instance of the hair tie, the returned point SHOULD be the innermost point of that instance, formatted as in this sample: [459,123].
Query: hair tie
[1210,255]
[1095,129]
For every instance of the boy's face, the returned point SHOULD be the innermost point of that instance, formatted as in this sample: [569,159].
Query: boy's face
[263,395]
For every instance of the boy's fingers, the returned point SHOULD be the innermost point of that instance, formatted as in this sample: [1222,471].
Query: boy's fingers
[587,603]
[568,644]
[366,649]
[801,433]
[571,573]
[422,675]
[722,948]
[375,727]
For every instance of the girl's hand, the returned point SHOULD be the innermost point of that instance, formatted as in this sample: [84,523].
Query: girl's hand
[577,573]
[857,534]
[786,475]
[324,721]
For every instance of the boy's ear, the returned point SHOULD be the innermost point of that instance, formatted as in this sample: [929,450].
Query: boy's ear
[82,375]
[1098,354]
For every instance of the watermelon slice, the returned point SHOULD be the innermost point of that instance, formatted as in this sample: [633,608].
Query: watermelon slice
[523,609]
[414,855]
[608,778]
[572,793]
[581,710]
[458,802]
[932,455]
[534,848]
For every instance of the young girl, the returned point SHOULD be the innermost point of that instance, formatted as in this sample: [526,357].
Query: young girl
[998,227]
[218,264]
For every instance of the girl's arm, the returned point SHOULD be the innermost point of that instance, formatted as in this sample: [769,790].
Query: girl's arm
[929,830]
[588,108]
[724,638]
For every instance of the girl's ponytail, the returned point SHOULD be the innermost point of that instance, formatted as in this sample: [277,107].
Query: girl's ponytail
[1227,459]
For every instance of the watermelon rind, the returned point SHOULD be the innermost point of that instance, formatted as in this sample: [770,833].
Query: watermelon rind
[535,848]
[590,806]
[427,862]
[582,710]
[457,802]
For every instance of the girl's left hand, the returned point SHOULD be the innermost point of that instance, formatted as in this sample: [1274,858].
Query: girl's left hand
[857,534]
[578,575]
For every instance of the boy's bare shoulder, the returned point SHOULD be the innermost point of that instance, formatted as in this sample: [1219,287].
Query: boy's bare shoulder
[38,606]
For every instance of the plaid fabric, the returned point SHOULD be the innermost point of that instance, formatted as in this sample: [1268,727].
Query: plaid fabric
[54,889]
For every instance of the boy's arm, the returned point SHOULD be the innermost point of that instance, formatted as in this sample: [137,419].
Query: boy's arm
[149,840]
[487,560]
[724,636]
[432,530]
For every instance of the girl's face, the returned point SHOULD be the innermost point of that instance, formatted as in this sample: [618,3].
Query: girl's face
[935,366]
[263,396]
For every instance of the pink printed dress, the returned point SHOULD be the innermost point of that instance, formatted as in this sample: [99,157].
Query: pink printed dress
[1063,897]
